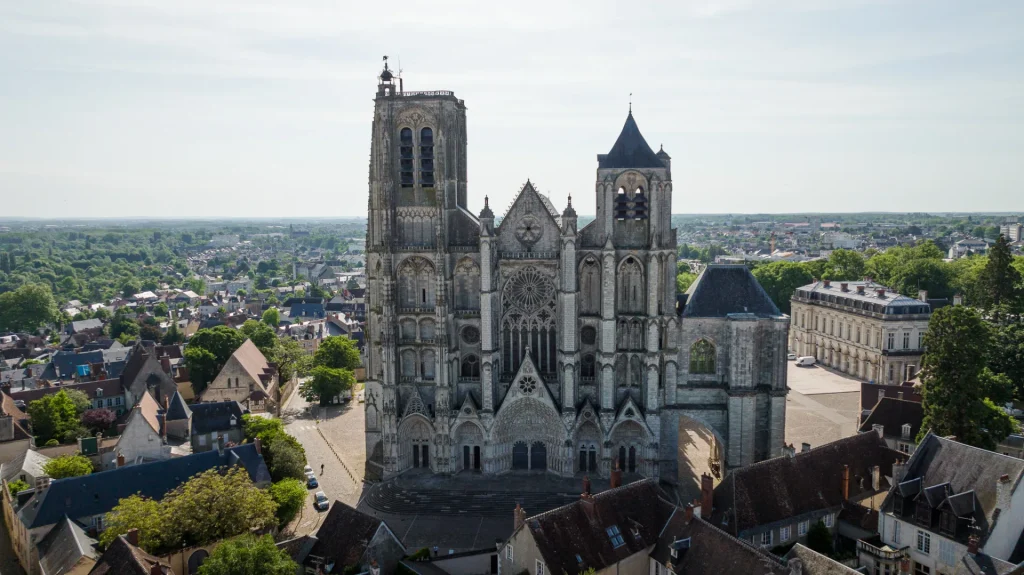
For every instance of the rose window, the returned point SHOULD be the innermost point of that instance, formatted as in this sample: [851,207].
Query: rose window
[527,385]
[529,290]
[529,230]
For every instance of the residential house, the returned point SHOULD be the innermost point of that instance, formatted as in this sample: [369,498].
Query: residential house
[178,419]
[15,439]
[775,502]
[144,373]
[967,247]
[949,498]
[106,393]
[872,393]
[305,307]
[26,467]
[125,557]
[67,550]
[897,421]
[91,326]
[349,539]
[71,365]
[142,438]
[215,425]
[87,499]
[246,377]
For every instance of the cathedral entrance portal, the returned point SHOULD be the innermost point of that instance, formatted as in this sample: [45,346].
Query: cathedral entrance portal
[520,456]
[700,451]
[538,457]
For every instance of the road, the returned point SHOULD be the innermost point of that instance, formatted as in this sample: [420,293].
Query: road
[327,435]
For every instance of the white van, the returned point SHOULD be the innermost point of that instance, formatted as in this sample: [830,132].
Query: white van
[806,360]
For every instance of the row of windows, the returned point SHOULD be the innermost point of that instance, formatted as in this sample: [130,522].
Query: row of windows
[853,333]
[111,402]
[408,161]
[786,533]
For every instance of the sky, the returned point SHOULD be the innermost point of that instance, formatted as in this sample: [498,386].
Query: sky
[263,108]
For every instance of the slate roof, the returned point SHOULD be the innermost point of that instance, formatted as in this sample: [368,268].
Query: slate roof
[215,416]
[110,387]
[98,493]
[723,289]
[981,564]
[638,506]
[785,487]
[893,414]
[66,361]
[178,409]
[82,325]
[939,461]
[344,534]
[630,150]
[30,462]
[63,547]
[890,299]
[123,558]
[711,551]
[869,393]
[815,563]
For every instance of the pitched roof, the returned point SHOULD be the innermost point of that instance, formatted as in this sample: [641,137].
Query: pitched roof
[638,510]
[785,487]
[215,416]
[630,150]
[939,461]
[252,361]
[893,414]
[344,534]
[815,563]
[178,409]
[99,492]
[710,550]
[63,547]
[31,462]
[123,558]
[869,393]
[723,289]
[110,387]
[981,564]
[81,325]
[151,412]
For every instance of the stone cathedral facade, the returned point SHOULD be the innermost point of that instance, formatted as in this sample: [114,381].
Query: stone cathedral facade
[534,344]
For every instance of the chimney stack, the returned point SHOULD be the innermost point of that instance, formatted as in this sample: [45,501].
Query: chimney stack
[1003,493]
[846,482]
[156,569]
[259,445]
[844,286]
[616,479]
[804,447]
[922,295]
[972,544]
[132,537]
[879,429]
[899,470]
[828,283]
[707,493]
[881,293]
[120,459]
[518,516]
[689,513]
[958,299]
[788,450]
[876,478]
[860,290]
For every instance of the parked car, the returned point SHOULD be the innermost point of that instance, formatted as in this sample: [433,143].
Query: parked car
[791,357]
[806,361]
[311,482]
[307,469]
[321,502]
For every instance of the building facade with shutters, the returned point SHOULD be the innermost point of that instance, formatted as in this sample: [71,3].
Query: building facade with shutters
[861,328]
[529,343]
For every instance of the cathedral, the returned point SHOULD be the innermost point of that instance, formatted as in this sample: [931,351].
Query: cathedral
[527,343]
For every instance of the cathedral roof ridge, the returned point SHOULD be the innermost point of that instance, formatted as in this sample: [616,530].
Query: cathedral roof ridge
[630,150]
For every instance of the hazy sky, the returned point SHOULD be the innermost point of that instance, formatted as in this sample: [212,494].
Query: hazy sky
[263,108]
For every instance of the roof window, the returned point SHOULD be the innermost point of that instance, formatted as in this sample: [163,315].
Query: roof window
[616,536]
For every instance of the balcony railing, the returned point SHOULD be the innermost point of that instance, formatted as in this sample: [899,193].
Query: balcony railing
[467,312]
[528,255]
[467,379]
[416,309]
[874,547]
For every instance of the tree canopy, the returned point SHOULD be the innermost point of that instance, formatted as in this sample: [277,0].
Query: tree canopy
[338,352]
[248,554]
[54,416]
[326,383]
[27,308]
[290,496]
[68,466]
[780,280]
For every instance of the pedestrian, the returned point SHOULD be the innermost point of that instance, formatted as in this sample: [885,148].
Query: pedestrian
[321,469]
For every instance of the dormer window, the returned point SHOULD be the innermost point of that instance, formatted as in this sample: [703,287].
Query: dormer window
[234,421]
[99,392]
[615,536]
[906,431]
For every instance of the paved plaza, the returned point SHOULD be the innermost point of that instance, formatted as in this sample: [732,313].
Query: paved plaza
[823,405]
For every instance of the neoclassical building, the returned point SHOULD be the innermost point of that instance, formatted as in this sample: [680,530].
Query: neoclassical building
[530,343]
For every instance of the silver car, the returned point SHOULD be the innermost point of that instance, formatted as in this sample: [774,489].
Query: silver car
[320,501]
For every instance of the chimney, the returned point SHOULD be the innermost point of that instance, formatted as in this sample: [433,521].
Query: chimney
[132,537]
[795,566]
[804,447]
[707,493]
[259,447]
[788,450]
[828,283]
[586,482]
[922,295]
[876,478]
[881,293]
[42,483]
[899,470]
[846,482]
[616,479]
[1003,493]
[120,459]
[905,565]
[878,428]
[518,517]
[156,569]
[844,286]
[958,299]
[860,290]
[972,544]
[689,513]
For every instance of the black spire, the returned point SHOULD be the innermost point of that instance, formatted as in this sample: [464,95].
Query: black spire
[630,150]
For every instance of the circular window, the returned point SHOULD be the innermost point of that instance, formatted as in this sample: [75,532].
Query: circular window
[470,334]
[529,230]
[527,385]
[588,335]
[529,290]
[467,410]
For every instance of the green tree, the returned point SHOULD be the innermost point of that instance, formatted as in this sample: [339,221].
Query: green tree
[173,335]
[819,538]
[202,367]
[286,458]
[265,428]
[214,505]
[27,308]
[1000,280]
[338,352]
[129,288]
[933,276]
[218,343]
[272,317]
[17,486]
[122,324]
[248,554]
[80,399]
[291,359]
[160,310]
[262,335]
[780,280]
[68,466]
[684,280]
[52,416]
[326,383]
[844,265]
[150,332]
[290,496]
[956,385]
[144,514]
[1006,356]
